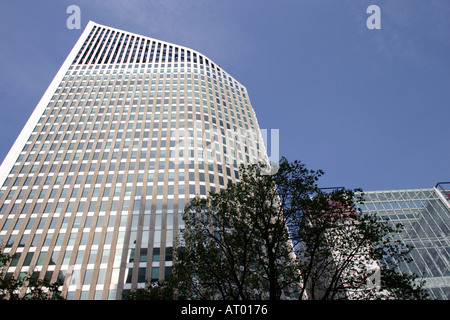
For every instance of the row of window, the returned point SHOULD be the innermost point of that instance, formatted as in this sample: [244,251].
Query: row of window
[119,128]
[112,179]
[132,73]
[119,91]
[54,197]
[101,220]
[133,70]
[74,233]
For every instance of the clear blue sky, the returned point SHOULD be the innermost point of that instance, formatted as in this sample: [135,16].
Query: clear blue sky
[369,107]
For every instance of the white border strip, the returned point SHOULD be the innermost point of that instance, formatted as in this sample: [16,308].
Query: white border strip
[24,135]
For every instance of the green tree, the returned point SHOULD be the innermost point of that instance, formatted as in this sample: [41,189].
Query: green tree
[277,236]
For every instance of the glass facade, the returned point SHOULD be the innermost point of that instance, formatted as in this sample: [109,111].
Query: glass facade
[130,128]
[425,216]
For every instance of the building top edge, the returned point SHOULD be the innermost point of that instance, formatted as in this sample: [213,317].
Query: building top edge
[91,24]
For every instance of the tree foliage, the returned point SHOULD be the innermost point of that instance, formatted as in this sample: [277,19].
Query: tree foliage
[155,290]
[236,244]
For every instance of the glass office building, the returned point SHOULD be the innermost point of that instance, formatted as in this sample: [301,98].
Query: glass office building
[129,129]
[425,216]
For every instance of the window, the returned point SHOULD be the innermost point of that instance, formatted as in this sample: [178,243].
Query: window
[141,275]
[155,273]
[169,254]
[88,277]
[101,276]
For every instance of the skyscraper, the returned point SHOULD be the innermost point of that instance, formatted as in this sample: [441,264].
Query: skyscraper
[129,129]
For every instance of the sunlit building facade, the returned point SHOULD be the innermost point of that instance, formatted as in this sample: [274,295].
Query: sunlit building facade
[425,216]
[129,129]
